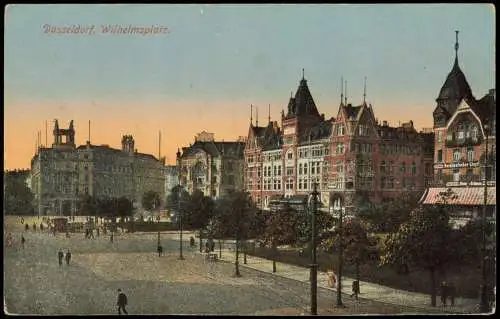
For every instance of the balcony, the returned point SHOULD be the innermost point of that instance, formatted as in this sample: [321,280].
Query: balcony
[454,139]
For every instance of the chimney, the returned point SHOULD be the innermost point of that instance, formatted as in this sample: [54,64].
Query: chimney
[384,123]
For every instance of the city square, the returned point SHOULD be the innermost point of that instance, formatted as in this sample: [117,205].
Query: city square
[250,160]
[36,284]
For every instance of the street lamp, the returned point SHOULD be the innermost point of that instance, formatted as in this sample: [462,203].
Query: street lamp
[484,289]
[314,265]
[180,221]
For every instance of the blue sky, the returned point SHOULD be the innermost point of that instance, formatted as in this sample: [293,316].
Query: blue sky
[240,54]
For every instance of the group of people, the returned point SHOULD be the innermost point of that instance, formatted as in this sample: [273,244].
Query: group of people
[61,255]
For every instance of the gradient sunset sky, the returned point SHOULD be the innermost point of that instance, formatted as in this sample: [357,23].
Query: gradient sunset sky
[216,60]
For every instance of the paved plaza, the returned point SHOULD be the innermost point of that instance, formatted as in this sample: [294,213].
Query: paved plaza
[36,284]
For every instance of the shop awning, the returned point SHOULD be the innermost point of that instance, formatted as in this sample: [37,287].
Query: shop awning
[472,196]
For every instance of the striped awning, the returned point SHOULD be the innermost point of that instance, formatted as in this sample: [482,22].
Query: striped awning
[472,196]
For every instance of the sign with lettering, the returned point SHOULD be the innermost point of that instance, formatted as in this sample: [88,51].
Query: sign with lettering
[456,165]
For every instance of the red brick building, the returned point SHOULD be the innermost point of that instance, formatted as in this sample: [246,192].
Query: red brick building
[375,159]
[464,128]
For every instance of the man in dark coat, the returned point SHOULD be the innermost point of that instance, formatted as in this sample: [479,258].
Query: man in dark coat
[122,302]
[23,241]
[68,257]
[60,255]
[160,250]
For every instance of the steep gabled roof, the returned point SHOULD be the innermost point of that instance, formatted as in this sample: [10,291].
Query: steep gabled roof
[303,103]
[351,111]
[320,131]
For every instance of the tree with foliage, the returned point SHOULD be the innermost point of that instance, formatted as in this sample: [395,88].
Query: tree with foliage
[324,223]
[358,247]
[234,217]
[124,207]
[177,202]
[200,210]
[387,216]
[423,241]
[150,200]
[280,229]
[18,198]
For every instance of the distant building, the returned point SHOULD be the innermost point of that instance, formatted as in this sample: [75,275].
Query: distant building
[463,126]
[63,174]
[171,179]
[214,167]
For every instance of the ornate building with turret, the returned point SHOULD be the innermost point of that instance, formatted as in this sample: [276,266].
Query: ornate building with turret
[348,157]
[213,167]
[63,174]
[464,128]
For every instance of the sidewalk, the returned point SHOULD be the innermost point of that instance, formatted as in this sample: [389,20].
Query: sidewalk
[368,290]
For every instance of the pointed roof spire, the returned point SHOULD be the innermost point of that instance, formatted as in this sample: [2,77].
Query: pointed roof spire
[341,90]
[256,116]
[251,114]
[364,92]
[303,78]
[269,113]
[345,95]
[456,46]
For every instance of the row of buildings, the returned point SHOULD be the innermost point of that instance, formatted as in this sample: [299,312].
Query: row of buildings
[351,156]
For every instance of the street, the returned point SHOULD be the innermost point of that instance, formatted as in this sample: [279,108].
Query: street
[36,284]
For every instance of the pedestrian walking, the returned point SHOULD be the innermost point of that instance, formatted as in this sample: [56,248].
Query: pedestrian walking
[212,245]
[68,257]
[111,237]
[60,256]
[54,230]
[355,289]
[91,233]
[97,231]
[207,247]
[444,293]
[41,227]
[160,250]
[191,242]
[27,227]
[122,302]
[452,291]
[34,227]
[22,241]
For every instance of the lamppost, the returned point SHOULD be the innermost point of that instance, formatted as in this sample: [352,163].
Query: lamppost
[484,289]
[314,265]
[180,221]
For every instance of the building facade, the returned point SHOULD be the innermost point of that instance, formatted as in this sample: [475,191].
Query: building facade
[464,133]
[171,179]
[345,156]
[63,174]
[214,167]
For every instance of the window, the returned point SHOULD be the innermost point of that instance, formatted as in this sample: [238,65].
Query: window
[470,154]
[456,155]
[383,182]
[305,168]
[289,184]
[440,156]
[289,155]
[474,132]
[300,169]
[413,168]
[403,167]
[313,168]
[340,130]
[356,147]
[340,166]
[439,136]
[289,171]
[469,175]
[340,148]
[456,174]
[391,167]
